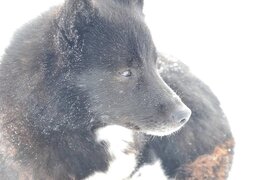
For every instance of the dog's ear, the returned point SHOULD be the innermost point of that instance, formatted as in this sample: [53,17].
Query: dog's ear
[140,3]
[72,19]
[136,3]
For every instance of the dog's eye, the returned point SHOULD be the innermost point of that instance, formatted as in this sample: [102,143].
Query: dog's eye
[126,73]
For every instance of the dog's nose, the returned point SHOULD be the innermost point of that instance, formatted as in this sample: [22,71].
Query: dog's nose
[181,114]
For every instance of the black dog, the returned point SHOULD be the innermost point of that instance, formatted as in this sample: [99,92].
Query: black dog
[81,98]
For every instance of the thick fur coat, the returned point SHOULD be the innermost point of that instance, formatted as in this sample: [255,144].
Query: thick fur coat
[84,95]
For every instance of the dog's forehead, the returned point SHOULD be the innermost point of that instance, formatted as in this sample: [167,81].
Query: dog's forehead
[121,32]
[125,42]
[137,39]
[138,44]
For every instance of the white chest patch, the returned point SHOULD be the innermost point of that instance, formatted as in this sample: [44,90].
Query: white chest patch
[122,164]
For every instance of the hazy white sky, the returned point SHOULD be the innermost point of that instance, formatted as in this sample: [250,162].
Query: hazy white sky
[225,43]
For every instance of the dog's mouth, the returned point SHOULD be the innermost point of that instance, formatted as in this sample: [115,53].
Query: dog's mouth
[164,131]
[133,126]
[162,128]
[158,131]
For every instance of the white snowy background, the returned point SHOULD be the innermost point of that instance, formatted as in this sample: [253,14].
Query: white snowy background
[224,42]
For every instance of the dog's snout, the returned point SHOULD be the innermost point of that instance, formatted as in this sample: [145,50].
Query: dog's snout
[181,114]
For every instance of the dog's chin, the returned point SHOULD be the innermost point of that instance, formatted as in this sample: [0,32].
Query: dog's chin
[163,131]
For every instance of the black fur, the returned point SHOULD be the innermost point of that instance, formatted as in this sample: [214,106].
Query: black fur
[207,127]
[62,79]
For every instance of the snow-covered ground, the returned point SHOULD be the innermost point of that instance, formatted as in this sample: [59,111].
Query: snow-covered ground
[225,43]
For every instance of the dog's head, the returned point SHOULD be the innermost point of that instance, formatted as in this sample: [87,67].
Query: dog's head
[108,50]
